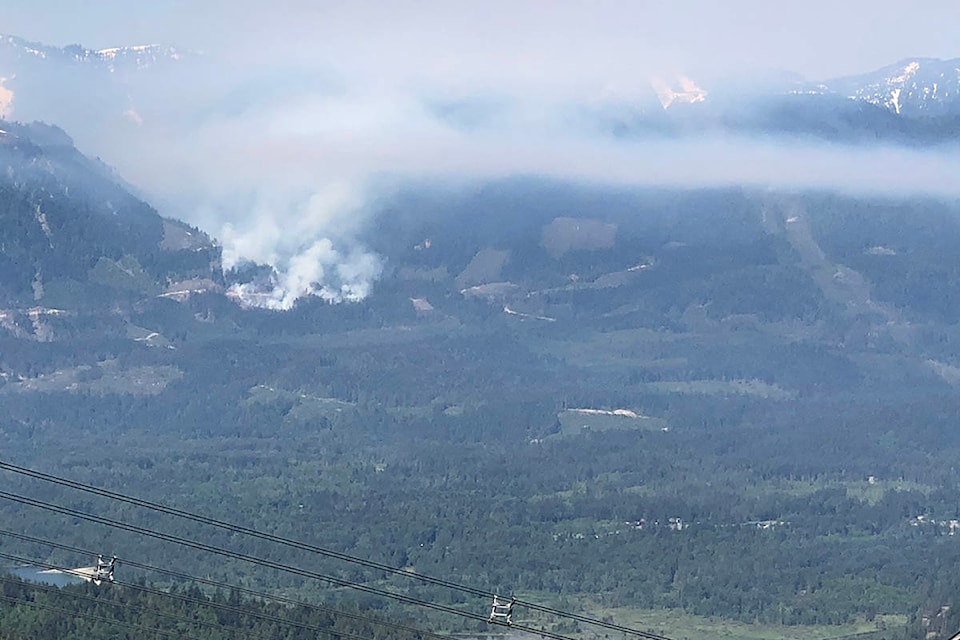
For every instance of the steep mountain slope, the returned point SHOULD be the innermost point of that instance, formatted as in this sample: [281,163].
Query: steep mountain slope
[70,229]
[591,257]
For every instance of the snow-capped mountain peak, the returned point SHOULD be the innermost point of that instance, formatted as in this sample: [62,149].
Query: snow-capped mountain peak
[911,87]
[141,56]
[135,57]
[33,74]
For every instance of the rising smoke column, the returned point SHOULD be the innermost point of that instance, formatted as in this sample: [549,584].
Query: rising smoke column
[310,245]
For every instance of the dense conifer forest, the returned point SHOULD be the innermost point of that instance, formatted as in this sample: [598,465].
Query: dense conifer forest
[726,404]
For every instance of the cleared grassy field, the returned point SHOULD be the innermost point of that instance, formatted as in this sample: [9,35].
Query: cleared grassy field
[682,626]
[865,490]
[574,422]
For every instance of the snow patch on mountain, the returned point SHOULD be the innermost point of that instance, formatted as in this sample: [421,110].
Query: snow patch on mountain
[140,56]
[137,56]
[913,87]
[681,90]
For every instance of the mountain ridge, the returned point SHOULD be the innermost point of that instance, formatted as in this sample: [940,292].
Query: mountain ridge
[141,56]
[70,225]
[912,88]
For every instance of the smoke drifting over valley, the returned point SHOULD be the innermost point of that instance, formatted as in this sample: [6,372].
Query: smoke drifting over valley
[282,142]
[310,244]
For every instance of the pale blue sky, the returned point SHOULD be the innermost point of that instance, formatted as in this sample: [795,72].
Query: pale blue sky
[524,39]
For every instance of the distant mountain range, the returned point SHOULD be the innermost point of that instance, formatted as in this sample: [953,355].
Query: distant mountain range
[913,87]
[81,89]
[113,59]
[74,232]
[916,100]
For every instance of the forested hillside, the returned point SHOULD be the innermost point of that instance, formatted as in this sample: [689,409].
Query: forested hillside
[74,236]
[725,403]
[91,613]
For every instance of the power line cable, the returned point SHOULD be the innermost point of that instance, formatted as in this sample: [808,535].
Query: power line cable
[269,563]
[249,592]
[104,601]
[234,528]
[205,603]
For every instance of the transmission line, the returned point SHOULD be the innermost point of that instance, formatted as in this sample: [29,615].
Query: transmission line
[190,599]
[267,563]
[221,585]
[102,601]
[234,528]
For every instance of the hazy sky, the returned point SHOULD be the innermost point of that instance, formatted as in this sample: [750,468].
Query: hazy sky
[602,39]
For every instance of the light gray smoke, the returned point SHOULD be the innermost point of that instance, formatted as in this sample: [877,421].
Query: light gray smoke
[271,146]
[309,244]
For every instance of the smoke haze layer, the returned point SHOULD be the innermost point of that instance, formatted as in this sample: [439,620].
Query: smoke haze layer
[287,181]
[280,138]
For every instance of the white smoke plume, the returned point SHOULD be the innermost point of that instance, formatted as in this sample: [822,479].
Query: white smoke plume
[310,247]
[305,107]
[310,164]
